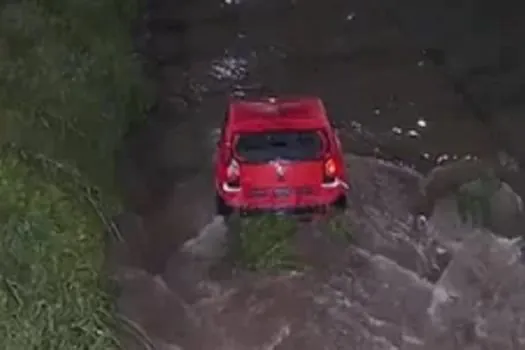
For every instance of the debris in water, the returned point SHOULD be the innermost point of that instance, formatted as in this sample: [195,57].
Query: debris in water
[397,130]
[238,93]
[441,250]
[356,126]
[229,68]
[413,133]
[444,157]
[350,16]
[422,123]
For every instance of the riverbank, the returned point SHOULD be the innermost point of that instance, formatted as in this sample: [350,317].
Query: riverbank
[69,87]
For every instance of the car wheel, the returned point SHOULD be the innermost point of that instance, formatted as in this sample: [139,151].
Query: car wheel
[341,203]
[222,208]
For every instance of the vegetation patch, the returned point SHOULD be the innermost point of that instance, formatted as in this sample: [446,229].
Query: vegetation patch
[264,243]
[69,87]
[51,295]
[69,83]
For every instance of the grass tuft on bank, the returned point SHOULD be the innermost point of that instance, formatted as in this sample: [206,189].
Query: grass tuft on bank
[51,294]
[69,87]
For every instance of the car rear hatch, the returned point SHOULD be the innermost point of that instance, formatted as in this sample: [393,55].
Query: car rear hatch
[281,168]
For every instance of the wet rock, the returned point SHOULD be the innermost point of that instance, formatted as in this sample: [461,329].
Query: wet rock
[505,214]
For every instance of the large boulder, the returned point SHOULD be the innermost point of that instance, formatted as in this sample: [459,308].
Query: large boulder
[505,212]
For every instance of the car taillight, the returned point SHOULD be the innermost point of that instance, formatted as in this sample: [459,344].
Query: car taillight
[330,170]
[233,173]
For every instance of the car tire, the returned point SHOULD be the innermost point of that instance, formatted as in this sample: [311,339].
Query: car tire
[341,203]
[221,208]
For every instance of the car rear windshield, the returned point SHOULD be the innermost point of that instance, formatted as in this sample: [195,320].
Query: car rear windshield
[263,147]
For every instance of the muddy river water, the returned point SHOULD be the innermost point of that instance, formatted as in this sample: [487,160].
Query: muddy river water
[427,82]
[417,83]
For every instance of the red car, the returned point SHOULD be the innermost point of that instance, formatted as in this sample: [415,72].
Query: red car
[278,155]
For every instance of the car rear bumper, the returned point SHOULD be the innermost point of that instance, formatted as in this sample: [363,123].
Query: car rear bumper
[298,203]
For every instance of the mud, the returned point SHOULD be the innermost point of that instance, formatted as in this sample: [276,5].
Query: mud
[398,91]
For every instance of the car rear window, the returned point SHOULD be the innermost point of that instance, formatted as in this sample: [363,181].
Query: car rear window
[263,147]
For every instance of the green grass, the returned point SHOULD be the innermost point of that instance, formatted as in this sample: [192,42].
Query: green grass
[264,243]
[69,86]
[50,294]
[69,83]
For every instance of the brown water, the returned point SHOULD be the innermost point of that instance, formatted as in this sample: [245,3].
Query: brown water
[354,54]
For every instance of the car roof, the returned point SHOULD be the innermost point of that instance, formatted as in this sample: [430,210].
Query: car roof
[274,113]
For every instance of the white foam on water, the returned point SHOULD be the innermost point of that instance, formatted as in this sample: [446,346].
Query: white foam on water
[210,243]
